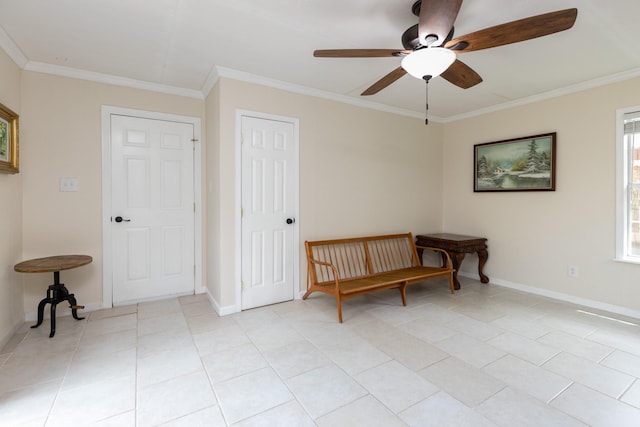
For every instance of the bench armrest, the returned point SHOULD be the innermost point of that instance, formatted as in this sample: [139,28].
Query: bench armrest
[336,276]
[315,261]
[442,251]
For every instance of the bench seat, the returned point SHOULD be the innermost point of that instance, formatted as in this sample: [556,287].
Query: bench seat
[350,267]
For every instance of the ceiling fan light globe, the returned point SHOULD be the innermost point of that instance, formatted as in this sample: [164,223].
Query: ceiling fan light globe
[431,61]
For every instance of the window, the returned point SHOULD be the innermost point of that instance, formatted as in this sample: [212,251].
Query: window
[628,183]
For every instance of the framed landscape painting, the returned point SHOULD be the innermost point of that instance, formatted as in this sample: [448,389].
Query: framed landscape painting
[519,164]
[8,140]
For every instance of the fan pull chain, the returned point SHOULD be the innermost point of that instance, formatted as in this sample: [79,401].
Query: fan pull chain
[426,114]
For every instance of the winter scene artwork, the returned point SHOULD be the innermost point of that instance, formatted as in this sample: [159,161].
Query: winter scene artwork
[520,164]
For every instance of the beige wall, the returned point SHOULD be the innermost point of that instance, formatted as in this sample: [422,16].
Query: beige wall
[533,236]
[362,171]
[62,138]
[11,308]
[212,191]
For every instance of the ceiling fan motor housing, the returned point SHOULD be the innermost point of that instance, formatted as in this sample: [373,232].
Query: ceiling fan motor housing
[411,40]
[415,9]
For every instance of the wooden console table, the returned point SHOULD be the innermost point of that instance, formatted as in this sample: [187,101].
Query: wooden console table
[57,292]
[456,246]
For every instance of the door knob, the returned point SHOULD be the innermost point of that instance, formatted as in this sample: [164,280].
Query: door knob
[120,219]
[291,220]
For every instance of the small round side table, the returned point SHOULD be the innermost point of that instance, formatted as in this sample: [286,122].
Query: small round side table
[57,292]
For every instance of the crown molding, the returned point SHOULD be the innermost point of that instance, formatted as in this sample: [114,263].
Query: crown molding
[217,72]
[211,81]
[75,73]
[304,90]
[580,87]
[14,52]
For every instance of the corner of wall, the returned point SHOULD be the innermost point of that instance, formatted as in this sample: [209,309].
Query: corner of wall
[11,248]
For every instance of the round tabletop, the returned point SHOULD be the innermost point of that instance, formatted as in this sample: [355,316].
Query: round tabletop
[52,263]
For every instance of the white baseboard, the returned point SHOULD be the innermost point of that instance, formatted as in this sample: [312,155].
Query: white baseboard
[61,311]
[221,311]
[7,337]
[30,317]
[231,309]
[624,311]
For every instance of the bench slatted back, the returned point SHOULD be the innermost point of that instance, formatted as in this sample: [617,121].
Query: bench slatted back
[390,254]
[348,257]
[359,257]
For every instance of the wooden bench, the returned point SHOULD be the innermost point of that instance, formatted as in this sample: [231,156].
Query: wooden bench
[350,267]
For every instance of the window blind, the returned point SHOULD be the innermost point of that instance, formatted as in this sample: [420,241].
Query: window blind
[631,123]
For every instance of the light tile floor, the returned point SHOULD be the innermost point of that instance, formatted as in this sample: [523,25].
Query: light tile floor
[486,356]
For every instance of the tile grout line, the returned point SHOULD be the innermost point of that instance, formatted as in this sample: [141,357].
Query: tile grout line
[204,368]
[284,382]
[64,377]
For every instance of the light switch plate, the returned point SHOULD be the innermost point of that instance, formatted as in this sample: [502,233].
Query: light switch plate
[68,184]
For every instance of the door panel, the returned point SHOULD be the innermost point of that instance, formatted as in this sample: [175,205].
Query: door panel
[268,199]
[152,190]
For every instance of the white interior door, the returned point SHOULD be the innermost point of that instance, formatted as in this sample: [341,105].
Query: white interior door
[152,203]
[269,201]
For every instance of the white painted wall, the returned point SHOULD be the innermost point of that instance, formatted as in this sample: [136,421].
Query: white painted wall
[533,236]
[362,172]
[61,126]
[11,308]
[211,213]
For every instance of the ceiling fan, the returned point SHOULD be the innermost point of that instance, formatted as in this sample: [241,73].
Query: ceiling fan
[430,48]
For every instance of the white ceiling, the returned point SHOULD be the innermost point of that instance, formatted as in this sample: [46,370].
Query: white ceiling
[181,45]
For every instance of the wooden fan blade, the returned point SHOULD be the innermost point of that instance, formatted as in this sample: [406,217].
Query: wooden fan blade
[516,31]
[461,75]
[385,81]
[359,53]
[436,18]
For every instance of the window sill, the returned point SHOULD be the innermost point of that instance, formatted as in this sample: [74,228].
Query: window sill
[628,260]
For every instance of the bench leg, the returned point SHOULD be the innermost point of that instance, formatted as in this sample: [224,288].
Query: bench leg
[339,302]
[452,285]
[403,293]
[307,294]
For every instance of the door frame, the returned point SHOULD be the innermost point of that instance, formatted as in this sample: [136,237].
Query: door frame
[107,261]
[296,191]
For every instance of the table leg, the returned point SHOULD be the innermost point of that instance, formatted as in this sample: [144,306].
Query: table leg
[53,319]
[456,260]
[41,312]
[74,307]
[57,293]
[483,255]
[443,259]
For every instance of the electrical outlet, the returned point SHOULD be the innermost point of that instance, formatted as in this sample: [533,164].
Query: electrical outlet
[572,271]
[68,184]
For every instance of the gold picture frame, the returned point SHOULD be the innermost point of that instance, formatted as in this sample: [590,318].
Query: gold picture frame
[8,140]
